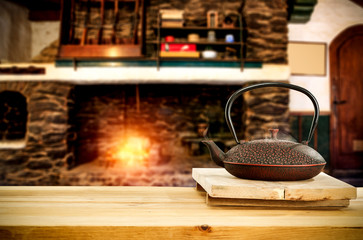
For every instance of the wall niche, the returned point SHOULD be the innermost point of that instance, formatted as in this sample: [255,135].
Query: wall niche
[13,116]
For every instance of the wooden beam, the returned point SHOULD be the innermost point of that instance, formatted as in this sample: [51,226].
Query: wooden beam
[358,2]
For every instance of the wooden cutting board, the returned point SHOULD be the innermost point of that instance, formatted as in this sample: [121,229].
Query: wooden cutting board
[225,189]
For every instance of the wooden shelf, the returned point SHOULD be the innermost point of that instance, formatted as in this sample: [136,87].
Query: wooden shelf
[152,62]
[199,59]
[198,43]
[181,33]
[107,0]
[189,28]
[100,51]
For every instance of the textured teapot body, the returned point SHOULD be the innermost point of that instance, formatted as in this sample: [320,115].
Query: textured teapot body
[273,152]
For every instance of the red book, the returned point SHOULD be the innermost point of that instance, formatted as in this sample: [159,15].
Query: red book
[178,47]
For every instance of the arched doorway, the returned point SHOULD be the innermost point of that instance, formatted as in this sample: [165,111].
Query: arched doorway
[346,74]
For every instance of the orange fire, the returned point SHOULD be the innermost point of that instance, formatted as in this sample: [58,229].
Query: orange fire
[133,151]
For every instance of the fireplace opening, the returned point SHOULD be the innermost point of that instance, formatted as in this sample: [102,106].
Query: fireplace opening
[137,122]
[13,116]
[126,130]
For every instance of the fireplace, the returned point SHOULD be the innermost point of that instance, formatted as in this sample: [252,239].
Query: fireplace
[145,134]
[123,134]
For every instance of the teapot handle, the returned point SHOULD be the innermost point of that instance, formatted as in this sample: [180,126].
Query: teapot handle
[234,96]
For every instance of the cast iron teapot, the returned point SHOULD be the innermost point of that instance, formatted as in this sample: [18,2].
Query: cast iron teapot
[269,159]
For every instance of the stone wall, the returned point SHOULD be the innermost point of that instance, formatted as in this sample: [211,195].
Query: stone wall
[266,25]
[44,153]
[195,11]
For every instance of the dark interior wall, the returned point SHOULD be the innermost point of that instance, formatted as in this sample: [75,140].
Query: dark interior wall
[300,126]
[15,37]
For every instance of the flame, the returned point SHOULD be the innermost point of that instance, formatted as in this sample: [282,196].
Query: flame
[133,151]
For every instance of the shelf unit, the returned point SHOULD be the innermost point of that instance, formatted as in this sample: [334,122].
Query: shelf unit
[81,51]
[181,33]
[76,14]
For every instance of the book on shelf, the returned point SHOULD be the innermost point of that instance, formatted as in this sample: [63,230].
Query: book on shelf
[172,14]
[172,23]
[180,54]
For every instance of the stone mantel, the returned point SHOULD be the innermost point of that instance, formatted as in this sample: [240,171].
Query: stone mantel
[150,75]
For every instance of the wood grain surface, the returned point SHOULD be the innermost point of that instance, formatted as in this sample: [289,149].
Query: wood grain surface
[160,213]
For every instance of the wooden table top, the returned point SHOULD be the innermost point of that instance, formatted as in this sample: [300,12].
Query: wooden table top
[160,213]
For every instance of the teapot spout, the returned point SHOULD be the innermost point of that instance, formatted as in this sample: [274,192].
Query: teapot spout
[216,153]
